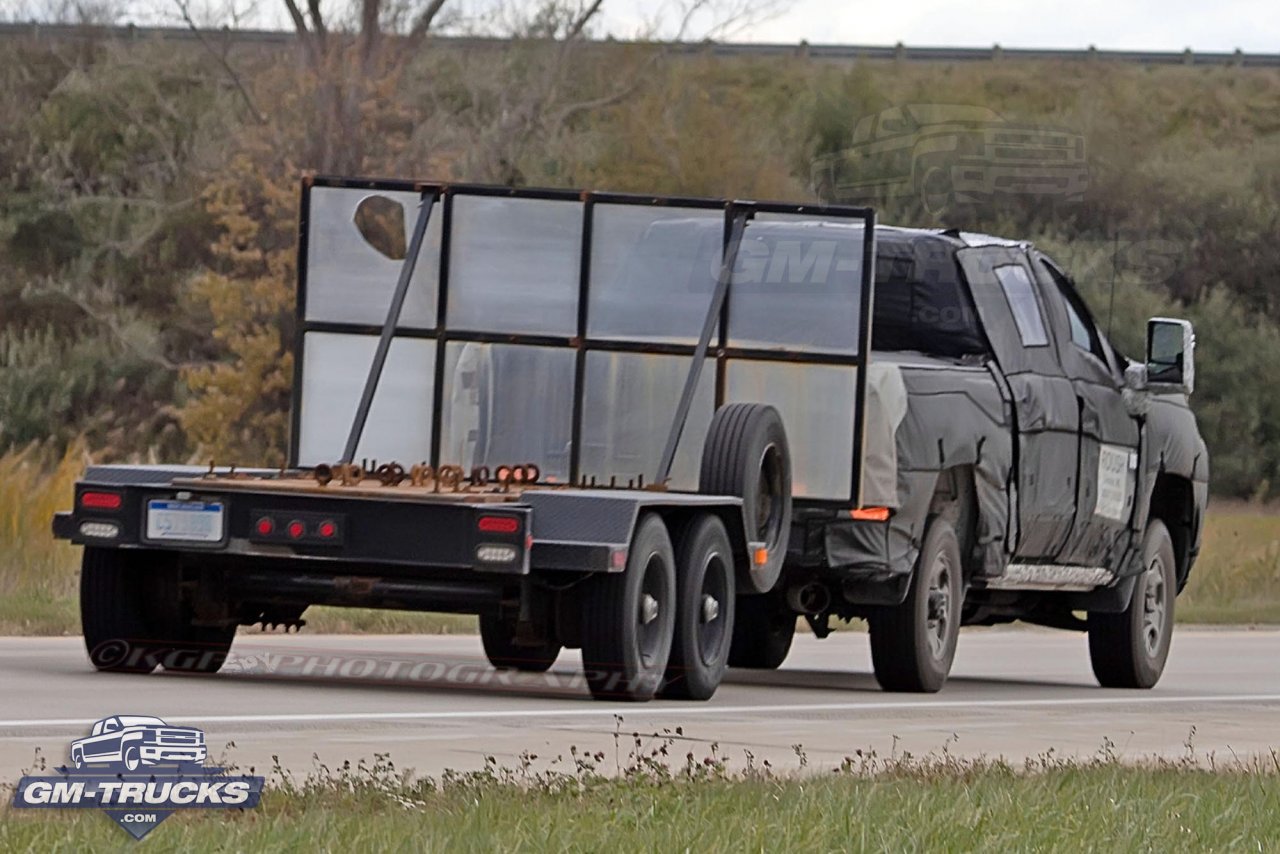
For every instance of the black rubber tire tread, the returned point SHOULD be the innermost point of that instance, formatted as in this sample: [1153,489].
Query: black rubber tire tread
[900,650]
[763,630]
[737,435]
[688,676]
[1116,648]
[610,648]
[133,621]
[498,637]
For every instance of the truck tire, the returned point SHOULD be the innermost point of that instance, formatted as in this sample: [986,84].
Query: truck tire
[704,612]
[747,455]
[1129,649]
[762,633]
[914,644]
[498,637]
[628,618]
[133,620]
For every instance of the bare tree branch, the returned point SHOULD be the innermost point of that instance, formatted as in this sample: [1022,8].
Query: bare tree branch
[185,10]
[576,28]
[317,20]
[422,25]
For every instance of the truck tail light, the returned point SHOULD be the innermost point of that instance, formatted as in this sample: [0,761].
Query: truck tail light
[498,524]
[870,514]
[101,500]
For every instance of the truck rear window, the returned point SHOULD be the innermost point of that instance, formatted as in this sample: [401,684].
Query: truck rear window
[921,303]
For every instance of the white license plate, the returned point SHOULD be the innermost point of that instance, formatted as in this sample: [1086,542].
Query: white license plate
[186,521]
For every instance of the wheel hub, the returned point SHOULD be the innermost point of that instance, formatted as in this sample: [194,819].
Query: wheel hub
[710,608]
[1153,607]
[938,606]
[648,609]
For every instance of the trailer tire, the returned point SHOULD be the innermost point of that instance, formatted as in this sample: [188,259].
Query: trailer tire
[134,620]
[763,630]
[628,618]
[704,612]
[1129,649]
[747,455]
[914,644]
[498,637]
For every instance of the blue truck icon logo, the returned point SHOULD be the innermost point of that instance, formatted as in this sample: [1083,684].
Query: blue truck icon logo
[137,740]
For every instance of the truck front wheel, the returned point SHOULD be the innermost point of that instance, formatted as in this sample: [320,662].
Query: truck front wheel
[628,618]
[1129,649]
[913,644]
[500,647]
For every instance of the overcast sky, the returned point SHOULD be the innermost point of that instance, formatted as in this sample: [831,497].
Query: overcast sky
[1251,25]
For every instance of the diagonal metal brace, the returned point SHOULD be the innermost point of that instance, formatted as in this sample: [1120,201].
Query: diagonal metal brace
[425,206]
[714,314]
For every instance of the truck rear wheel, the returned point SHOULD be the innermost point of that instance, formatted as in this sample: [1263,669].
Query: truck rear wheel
[628,618]
[747,455]
[704,612]
[134,620]
[914,644]
[1129,649]
[498,636]
[762,633]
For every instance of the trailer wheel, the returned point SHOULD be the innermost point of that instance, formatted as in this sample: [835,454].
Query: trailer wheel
[913,644]
[762,633]
[704,612]
[498,636]
[1129,649]
[747,455]
[133,619]
[628,618]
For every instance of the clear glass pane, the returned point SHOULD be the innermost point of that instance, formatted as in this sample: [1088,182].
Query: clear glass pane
[797,286]
[629,403]
[1023,303]
[653,271]
[507,404]
[816,403]
[335,368]
[349,280]
[514,265]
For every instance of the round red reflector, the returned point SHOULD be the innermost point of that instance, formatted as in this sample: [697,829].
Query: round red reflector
[297,529]
[327,529]
[266,526]
[498,524]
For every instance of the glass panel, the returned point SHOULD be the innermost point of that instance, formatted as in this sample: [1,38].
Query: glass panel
[349,279]
[817,404]
[507,404]
[1022,302]
[629,403]
[653,271]
[514,265]
[798,286]
[334,371]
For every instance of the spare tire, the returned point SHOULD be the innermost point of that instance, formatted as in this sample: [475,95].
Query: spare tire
[747,455]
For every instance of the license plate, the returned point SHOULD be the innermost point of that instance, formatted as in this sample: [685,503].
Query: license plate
[185,521]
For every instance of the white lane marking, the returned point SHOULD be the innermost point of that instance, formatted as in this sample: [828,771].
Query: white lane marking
[675,710]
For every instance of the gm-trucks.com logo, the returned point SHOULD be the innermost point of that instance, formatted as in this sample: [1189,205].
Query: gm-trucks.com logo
[138,770]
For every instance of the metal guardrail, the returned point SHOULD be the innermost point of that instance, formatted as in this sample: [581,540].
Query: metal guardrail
[830,52]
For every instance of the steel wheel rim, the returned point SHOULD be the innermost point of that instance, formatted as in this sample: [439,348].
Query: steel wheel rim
[769,496]
[649,611]
[712,600]
[1154,607]
[938,605]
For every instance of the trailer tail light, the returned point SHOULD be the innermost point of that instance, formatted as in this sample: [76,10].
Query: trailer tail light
[101,500]
[265,526]
[327,530]
[870,514]
[297,530]
[498,524]
[99,530]
[495,553]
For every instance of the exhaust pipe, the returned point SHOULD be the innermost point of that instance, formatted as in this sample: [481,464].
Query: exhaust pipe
[811,598]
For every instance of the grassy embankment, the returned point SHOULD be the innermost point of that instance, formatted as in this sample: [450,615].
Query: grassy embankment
[1237,579]
[937,803]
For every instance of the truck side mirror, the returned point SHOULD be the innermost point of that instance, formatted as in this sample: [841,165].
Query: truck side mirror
[1171,355]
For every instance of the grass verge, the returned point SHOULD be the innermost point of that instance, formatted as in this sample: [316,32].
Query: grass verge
[903,803]
[1236,581]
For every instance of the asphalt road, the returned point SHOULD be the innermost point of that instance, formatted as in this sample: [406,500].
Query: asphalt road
[433,703]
